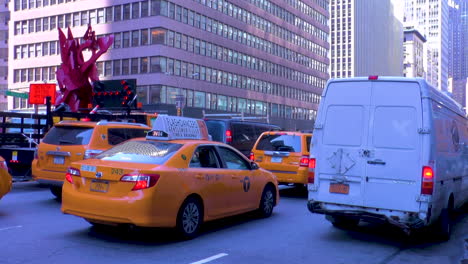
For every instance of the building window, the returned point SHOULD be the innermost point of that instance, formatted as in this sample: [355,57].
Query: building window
[125,67]
[136,10]
[144,65]
[117,68]
[144,37]
[135,38]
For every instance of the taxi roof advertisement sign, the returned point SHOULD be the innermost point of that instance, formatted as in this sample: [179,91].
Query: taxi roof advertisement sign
[176,127]
[39,91]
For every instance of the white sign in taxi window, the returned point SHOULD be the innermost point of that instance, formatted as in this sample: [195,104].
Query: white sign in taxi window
[176,127]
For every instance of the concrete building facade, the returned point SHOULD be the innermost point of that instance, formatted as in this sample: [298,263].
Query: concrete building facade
[366,39]
[264,58]
[4,18]
[413,51]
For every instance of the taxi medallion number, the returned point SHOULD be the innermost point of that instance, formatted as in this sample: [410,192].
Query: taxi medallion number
[99,186]
[339,188]
[60,160]
[276,159]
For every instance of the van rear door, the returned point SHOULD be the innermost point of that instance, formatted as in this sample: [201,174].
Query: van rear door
[342,131]
[393,163]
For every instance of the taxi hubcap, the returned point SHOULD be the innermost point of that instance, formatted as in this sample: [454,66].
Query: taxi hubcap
[268,202]
[190,218]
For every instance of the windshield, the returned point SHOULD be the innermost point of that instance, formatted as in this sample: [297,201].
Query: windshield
[216,129]
[149,152]
[68,135]
[278,142]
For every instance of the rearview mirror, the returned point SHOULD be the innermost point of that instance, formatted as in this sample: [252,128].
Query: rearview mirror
[254,165]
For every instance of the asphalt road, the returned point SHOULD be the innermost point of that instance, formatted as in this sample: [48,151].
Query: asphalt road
[33,230]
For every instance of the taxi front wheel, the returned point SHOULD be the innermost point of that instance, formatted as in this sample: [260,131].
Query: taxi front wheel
[189,218]
[267,202]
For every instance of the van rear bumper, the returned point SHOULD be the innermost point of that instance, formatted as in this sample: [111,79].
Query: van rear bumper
[403,220]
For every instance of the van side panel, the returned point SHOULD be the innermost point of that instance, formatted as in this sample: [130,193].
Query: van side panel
[451,157]
[341,135]
[394,169]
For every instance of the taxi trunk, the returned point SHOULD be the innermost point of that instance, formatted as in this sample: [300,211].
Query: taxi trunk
[114,179]
[59,148]
[285,155]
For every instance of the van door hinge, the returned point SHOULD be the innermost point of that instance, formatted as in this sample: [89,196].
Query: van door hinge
[318,126]
[424,130]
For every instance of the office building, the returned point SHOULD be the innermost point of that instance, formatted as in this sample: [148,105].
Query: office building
[265,58]
[430,18]
[366,39]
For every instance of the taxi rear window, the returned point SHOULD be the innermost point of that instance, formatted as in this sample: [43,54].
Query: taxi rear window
[148,152]
[279,142]
[68,135]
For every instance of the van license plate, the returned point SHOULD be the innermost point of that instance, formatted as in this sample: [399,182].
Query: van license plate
[276,159]
[99,186]
[339,188]
[60,160]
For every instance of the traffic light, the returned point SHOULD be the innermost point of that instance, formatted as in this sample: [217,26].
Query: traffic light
[98,93]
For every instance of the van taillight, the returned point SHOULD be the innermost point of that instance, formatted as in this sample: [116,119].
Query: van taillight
[228,136]
[142,181]
[252,156]
[72,172]
[427,186]
[304,161]
[311,175]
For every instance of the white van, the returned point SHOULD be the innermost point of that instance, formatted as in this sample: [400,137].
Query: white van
[390,150]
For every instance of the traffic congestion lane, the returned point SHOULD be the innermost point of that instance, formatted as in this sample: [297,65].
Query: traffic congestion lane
[38,232]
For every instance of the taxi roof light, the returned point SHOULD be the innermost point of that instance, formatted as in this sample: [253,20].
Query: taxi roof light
[176,127]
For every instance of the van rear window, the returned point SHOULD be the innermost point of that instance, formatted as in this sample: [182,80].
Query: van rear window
[278,142]
[68,135]
[149,152]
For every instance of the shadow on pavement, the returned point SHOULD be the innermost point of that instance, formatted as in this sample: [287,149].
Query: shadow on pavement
[161,236]
[293,192]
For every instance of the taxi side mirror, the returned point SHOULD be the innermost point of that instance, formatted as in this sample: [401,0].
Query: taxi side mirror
[254,166]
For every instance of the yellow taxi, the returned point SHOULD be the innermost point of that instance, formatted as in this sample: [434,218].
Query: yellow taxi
[70,141]
[5,178]
[284,153]
[175,177]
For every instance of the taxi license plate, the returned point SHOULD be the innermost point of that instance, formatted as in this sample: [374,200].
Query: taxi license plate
[60,160]
[276,159]
[99,186]
[339,188]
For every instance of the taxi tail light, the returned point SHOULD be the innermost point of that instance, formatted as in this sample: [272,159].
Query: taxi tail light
[142,181]
[3,165]
[228,136]
[252,156]
[91,153]
[311,174]
[427,186]
[304,161]
[72,172]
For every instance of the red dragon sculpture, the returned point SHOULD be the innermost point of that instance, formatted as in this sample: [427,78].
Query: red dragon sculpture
[75,75]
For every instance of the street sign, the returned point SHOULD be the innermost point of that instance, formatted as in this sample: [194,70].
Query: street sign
[15,94]
[39,91]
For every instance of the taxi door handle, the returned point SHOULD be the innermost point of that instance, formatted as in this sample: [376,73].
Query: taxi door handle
[199,176]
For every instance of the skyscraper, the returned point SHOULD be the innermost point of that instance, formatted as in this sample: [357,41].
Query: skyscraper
[458,51]
[365,39]
[430,17]
[257,57]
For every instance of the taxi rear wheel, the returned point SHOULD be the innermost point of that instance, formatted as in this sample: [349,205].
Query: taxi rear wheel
[190,218]
[267,202]
[56,191]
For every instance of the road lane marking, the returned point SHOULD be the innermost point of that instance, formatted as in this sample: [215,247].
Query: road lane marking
[220,255]
[11,227]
